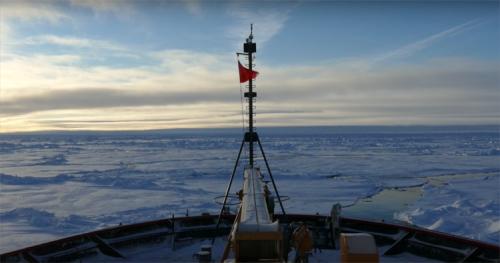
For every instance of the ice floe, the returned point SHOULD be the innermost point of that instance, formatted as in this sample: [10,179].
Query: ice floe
[466,207]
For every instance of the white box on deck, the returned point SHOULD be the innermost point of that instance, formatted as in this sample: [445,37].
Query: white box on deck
[358,247]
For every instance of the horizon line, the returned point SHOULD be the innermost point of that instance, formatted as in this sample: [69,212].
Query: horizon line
[47,131]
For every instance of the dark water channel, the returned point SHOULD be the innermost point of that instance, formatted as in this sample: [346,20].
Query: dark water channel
[384,204]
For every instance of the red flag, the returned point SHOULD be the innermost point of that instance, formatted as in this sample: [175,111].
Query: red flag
[246,74]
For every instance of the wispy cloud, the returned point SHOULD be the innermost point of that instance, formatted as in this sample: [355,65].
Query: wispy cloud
[193,6]
[173,70]
[120,8]
[412,48]
[5,32]
[267,21]
[370,61]
[73,42]
[187,60]
[24,10]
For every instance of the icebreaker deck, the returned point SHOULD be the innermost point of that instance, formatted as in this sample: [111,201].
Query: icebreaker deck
[178,239]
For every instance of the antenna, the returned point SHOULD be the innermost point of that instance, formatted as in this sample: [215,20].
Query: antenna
[251,32]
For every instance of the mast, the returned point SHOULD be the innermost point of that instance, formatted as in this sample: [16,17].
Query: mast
[249,48]
[251,136]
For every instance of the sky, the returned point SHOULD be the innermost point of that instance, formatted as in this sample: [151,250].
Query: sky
[138,65]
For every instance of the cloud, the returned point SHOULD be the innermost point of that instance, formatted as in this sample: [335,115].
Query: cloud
[186,88]
[188,60]
[267,21]
[5,33]
[193,6]
[146,117]
[444,91]
[412,48]
[24,10]
[120,8]
[73,42]
[105,98]
[408,50]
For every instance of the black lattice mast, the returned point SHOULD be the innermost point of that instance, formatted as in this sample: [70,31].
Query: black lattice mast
[249,47]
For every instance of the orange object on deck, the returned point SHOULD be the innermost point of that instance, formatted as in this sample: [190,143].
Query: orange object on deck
[303,241]
[358,247]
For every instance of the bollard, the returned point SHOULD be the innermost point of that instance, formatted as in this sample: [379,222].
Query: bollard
[204,256]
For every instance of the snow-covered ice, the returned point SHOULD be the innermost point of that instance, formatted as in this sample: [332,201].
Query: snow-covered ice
[464,206]
[58,184]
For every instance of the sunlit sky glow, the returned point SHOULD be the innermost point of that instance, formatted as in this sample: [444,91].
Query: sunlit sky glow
[123,65]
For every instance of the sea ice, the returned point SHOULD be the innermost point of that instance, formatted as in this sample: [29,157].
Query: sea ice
[53,185]
[465,207]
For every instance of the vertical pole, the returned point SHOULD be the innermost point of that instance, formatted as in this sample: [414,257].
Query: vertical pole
[271,175]
[228,189]
[250,110]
